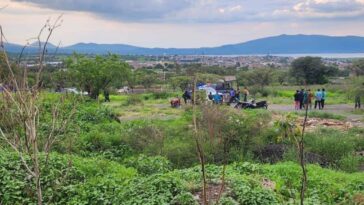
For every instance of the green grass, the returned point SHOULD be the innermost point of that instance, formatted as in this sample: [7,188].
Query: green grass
[149,108]
[322,115]
[284,94]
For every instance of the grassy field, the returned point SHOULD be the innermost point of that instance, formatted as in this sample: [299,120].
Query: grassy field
[284,95]
[136,149]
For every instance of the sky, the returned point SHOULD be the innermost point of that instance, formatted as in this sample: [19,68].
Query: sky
[179,23]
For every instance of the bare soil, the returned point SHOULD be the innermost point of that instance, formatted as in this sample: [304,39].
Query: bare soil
[339,109]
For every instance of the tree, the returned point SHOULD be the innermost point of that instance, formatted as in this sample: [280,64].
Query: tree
[181,82]
[21,110]
[145,77]
[280,76]
[257,77]
[96,74]
[310,70]
[358,67]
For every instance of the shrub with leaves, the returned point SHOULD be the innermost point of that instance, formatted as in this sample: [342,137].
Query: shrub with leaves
[149,165]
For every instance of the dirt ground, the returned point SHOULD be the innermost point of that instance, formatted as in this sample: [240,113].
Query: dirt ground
[340,109]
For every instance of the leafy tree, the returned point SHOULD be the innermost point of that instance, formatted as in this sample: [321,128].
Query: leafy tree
[310,70]
[280,76]
[145,77]
[96,74]
[159,66]
[257,77]
[358,67]
[4,70]
[181,82]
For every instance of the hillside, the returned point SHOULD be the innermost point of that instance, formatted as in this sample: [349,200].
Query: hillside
[283,44]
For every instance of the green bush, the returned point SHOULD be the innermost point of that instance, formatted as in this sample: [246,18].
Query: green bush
[331,144]
[149,165]
[349,163]
[155,190]
[65,180]
[249,192]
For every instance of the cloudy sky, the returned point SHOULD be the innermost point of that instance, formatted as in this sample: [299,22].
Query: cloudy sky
[179,23]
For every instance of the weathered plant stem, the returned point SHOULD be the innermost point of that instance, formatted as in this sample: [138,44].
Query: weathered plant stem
[302,159]
[20,102]
[199,147]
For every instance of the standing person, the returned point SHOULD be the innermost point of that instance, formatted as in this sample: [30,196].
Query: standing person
[301,98]
[318,98]
[246,93]
[210,96]
[106,95]
[217,98]
[297,100]
[237,95]
[310,97]
[357,101]
[232,95]
[186,96]
[323,97]
[305,99]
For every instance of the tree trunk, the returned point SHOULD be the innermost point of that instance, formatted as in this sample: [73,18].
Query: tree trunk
[94,94]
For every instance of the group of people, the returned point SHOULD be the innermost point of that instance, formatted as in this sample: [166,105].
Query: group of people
[231,96]
[303,99]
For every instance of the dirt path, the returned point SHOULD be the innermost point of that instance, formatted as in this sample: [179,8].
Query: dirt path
[339,109]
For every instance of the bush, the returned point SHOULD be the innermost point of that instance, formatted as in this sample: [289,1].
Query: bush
[330,144]
[143,137]
[149,165]
[155,190]
[248,193]
[349,163]
[66,179]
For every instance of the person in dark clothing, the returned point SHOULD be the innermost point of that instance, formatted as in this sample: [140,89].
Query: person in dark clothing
[357,102]
[210,96]
[186,96]
[297,100]
[237,95]
[323,98]
[107,95]
[300,97]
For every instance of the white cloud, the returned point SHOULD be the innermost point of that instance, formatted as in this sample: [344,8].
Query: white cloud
[335,9]
[180,23]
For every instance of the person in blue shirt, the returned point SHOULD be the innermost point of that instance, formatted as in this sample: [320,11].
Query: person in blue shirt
[217,98]
[318,98]
[323,98]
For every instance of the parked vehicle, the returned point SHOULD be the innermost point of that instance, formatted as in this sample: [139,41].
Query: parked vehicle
[251,105]
[74,91]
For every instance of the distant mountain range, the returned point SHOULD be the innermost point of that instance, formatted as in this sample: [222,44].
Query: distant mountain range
[283,44]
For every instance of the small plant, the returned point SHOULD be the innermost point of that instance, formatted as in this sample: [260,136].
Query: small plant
[148,165]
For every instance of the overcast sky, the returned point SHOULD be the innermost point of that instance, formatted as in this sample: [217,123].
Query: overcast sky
[179,23]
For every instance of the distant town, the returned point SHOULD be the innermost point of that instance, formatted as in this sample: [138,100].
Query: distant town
[246,62]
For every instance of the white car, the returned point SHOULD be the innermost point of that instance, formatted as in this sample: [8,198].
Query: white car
[74,91]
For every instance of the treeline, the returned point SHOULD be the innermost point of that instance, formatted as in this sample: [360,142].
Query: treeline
[99,73]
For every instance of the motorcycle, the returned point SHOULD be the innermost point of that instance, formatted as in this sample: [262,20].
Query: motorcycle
[251,105]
